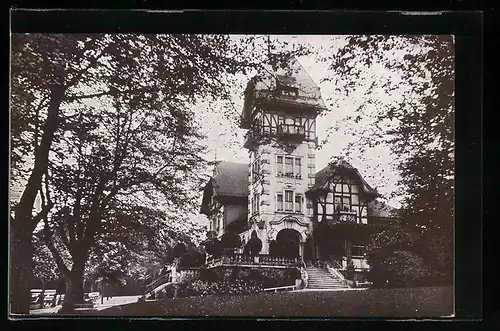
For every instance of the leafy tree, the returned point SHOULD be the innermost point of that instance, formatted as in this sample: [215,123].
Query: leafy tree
[97,95]
[406,84]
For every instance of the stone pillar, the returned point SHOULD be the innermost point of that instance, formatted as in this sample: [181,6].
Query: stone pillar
[301,249]
[265,246]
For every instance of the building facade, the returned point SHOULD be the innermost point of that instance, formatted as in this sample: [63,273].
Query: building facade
[279,194]
[280,110]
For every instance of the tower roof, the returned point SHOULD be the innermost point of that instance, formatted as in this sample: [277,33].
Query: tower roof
[266,87]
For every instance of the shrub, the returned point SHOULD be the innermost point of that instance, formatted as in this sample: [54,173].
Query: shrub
[169,290]
[230,240]
[401,269]
[214,247]
[273,248]
[202,288]
[254,245]
[179,250]
[192,259]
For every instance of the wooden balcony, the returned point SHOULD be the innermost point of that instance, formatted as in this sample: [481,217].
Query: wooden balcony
[242,260]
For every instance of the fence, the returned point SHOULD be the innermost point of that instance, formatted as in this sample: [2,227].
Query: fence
[258,260]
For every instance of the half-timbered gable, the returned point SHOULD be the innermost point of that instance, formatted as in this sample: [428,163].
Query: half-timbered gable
[341,194]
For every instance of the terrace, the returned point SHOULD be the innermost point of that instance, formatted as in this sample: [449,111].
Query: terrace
[243,260]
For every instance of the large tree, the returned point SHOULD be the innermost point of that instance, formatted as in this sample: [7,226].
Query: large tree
[405,85]
[57,83]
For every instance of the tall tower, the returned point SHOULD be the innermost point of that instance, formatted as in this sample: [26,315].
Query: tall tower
[279,112]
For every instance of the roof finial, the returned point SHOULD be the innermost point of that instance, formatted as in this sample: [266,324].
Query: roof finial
[269,46]
[214,172]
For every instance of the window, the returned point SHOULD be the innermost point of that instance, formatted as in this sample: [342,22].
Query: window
[256,203]
[279,202]
[292,166]
[312,181]
[342,203]
[309,206]
[288,166]
[288,200]
[279,167]
[298,170]
[357,250]
[256,170]
[281,120]
[298,203]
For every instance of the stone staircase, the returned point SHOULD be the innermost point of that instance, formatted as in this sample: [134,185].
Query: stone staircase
[321,279]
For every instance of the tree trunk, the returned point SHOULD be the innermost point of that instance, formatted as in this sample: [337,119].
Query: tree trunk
[21,266]
[21,252]
[74,291]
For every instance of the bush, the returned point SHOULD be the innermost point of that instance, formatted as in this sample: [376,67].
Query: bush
[230,240]
[192,259]
[214,247]
[273,248]
[202,288]
[179,250]
[254,245]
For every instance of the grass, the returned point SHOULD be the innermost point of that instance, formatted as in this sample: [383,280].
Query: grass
[404,303]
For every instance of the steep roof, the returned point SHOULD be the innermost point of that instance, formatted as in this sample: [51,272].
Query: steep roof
[231,179]
[262,87]
[324,174]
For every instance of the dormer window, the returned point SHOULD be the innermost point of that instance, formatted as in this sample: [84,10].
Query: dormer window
[287,86]
[289,91]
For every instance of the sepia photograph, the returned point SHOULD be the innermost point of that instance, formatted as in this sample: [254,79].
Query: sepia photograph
[220,175]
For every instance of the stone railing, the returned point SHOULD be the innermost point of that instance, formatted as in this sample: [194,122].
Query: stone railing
[249,260]
[159,281]
[189,274]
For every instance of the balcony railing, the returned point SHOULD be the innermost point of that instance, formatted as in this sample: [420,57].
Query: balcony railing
[345,216]
[238,259]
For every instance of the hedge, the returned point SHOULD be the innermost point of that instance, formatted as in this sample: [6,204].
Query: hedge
[202,288]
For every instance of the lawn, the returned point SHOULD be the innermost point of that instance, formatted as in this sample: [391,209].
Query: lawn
[410,302]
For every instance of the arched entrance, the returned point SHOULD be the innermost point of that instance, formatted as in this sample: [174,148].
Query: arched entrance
[288,243]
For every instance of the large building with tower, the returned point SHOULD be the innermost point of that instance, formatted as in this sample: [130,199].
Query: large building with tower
[294,209]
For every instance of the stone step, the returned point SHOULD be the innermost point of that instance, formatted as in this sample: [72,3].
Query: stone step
[326,288]
[326,284]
